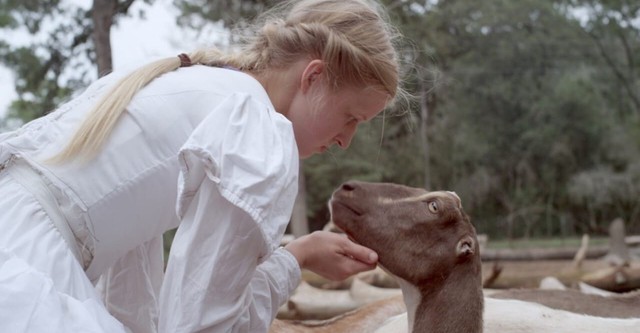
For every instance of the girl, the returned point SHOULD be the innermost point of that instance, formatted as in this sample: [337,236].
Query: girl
[206,142]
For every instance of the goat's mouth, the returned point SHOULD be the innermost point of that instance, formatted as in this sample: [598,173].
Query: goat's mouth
[342,215]
[339,205]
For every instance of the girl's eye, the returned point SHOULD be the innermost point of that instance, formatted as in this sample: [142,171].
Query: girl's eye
[433,207]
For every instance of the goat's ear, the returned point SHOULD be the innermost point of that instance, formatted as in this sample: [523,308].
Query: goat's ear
[466,247]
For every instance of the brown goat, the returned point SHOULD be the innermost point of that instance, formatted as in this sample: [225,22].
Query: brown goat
[425,239]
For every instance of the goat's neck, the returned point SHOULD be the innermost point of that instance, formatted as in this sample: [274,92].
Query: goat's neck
[439,310]
[412,299]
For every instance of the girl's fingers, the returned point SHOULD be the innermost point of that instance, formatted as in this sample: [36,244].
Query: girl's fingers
[360,253]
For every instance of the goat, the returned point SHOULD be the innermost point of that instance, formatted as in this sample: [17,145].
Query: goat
[365,319]
[309,302]
[426,241]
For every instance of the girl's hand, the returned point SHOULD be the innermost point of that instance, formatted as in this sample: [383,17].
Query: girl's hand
[332,255]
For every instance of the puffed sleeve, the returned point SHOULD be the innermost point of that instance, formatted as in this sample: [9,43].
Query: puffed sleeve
[237,186]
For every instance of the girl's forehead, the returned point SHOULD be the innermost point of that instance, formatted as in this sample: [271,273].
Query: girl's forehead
[365,102]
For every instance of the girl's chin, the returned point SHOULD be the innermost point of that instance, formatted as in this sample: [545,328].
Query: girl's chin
[304,155]
[307,154]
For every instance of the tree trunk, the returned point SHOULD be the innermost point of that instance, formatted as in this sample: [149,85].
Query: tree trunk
[424,139]
[102,15]
[299,224]
[618,250]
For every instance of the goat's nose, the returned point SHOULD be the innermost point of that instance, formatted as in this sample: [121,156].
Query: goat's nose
[348,187]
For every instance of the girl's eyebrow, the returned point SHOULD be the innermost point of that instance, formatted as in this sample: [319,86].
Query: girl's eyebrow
[359,116]
[365,119]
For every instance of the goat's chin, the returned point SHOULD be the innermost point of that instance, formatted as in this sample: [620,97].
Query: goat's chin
[352,239]
[344,231]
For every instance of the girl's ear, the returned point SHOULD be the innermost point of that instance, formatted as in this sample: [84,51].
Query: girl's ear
[311,74]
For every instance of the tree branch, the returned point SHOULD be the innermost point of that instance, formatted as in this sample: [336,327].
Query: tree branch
[616,71]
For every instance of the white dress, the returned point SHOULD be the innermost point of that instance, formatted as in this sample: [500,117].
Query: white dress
[200,148]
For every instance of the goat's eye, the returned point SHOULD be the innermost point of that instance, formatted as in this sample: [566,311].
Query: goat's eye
[433,207]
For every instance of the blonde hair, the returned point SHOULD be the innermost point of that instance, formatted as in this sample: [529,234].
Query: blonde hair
[352,37]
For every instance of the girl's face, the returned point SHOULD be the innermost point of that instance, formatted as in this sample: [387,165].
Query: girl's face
[332,118]
[322,118]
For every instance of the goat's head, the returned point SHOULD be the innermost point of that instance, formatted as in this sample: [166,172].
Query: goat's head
[420,236]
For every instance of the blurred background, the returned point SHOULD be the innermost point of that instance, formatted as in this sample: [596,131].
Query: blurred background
[529,109]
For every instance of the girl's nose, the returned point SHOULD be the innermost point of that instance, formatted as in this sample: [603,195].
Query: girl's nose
[344,139]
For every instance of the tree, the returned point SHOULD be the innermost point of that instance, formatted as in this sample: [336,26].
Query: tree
[520,109]
[196,13]
[53,65]
[524,108]
[613,28]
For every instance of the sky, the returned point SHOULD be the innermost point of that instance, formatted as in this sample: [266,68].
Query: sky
[134,41]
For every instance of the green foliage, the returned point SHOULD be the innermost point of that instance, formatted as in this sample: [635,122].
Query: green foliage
[521,100]
[48,67]
[196,13]
[531,112]
[525,102]
[27,13]
[39,65]
[39,91]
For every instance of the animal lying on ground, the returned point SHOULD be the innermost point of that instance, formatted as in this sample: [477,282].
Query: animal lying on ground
[312,303]
[367,318]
